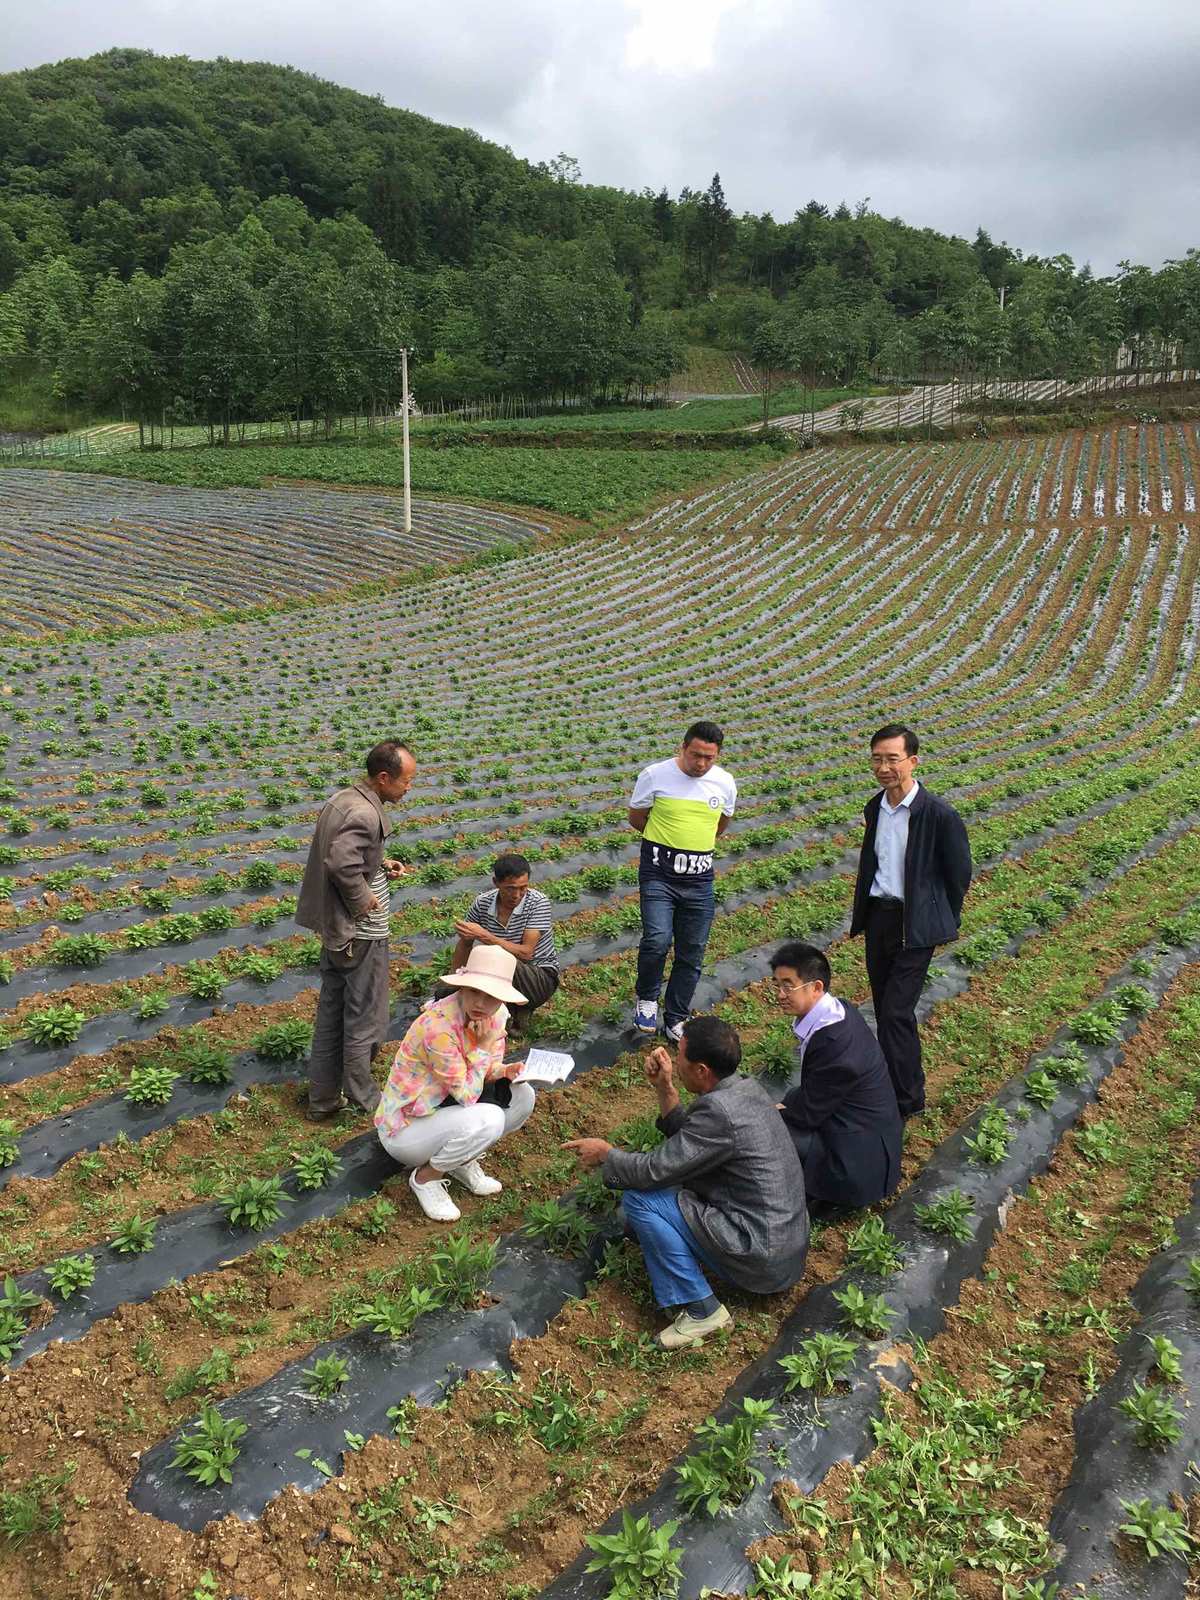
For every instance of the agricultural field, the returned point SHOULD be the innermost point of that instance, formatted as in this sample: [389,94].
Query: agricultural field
[238,1362]
[590,484]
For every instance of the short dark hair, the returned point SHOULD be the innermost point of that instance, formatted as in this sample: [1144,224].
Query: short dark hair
[509,866]
[387,757]
[713,1044]
[709,732]
[808,963]
[897,730]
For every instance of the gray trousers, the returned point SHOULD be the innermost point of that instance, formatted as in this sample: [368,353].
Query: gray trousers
[352,1022]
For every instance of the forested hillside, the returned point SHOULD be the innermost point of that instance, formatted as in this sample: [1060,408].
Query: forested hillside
[224,238]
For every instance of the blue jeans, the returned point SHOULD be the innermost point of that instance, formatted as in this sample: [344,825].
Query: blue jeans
[674,1260]
[681,912]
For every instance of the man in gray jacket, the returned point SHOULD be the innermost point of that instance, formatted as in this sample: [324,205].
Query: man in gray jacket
[724,1192]
[345,899]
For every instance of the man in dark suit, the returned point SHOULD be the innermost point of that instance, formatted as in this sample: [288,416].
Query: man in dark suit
[842,1115]
[913,873]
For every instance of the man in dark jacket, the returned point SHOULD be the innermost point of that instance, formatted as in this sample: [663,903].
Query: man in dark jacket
[345,899]
[913,873]
[724,1192]
[842,1115]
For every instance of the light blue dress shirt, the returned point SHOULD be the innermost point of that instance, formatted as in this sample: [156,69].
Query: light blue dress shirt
[891,840]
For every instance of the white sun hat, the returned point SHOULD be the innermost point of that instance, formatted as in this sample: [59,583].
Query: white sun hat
[490,970]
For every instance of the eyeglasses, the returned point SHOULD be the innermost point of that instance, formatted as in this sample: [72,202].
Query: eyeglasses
[789,986]
[889,761]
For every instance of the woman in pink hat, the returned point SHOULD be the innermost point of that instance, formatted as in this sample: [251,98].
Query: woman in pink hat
[439,1112]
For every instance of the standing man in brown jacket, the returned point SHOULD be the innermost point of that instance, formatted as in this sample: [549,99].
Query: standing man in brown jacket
[345,899]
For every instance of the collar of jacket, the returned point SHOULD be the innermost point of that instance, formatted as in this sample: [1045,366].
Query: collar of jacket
[919,802]
[364,788]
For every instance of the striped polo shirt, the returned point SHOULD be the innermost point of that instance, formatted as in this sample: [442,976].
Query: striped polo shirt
[532,910]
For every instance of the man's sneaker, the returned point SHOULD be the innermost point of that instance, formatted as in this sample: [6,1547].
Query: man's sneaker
[674,1031]
[688,1330]
[474,1178]
[645,1016]
[433,1199]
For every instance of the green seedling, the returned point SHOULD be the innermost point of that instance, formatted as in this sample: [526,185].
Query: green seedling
[1068,1065]
[1134,997]
[993,1135]
[394,1315]
[1168,1358]
[1191,1283]
[135,1235]
[55,1025]
[152,1005]
[460,1268]
[555,1419]
[871,1248]
[150,1085]
[215,919]
[1154,1417]
[325,1377]
[315,1167]
[202,1062]
[591,1193]
[14,1298]
[261,969]
[821,1362]
[377,1219]
[950,1215]
[10,1148]
[640,1562]
[1098,1142]
[79,950]
[720,1474]
[204,982]
[13,1328]
[285,1041]
[71,1273]
[1041,1088]
[869,1314]
[1156,1530]
[254,1203]
[216,1369]
[1101,1025]
[561,1228]
[208,1454]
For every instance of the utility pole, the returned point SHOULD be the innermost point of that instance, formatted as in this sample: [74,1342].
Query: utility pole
[407,459]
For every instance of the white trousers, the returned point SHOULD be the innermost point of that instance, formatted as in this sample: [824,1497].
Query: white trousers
[453,1136]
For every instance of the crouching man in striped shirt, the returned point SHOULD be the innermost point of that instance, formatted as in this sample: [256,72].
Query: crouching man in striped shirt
[517,919]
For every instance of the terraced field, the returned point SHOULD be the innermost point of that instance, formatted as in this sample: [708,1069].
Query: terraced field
[112,553]
[496,1396]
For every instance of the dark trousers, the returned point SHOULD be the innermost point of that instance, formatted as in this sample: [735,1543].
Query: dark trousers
[352,1022]
[679,913]
[897,976]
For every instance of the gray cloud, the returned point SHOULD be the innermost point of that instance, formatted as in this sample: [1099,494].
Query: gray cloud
[1056,124]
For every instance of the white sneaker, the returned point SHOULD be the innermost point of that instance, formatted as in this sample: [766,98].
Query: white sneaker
[474,1178]
[645,1016]
[433,1199]
[675,1032]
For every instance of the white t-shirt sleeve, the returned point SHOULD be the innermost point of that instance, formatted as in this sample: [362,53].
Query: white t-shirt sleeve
[730,797]
[643,790]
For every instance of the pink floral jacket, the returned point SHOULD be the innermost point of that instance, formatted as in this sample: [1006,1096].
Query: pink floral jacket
[439,1057]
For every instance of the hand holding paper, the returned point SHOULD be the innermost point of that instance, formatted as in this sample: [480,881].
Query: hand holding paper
[546,1066]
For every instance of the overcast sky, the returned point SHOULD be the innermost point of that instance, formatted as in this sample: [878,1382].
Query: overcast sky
[1059,125]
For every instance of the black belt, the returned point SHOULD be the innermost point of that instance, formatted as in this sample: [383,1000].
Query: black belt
[887,902]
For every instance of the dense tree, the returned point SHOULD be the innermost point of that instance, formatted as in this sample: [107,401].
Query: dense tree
[298,233]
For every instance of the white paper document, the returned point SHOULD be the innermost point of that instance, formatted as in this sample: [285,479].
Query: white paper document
[545,1066]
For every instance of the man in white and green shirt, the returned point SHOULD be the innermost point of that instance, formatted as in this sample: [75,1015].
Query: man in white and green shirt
[680,807]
